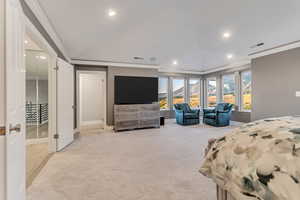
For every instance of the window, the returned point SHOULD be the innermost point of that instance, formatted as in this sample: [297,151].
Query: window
[228,88]
[178,90]
[211,92]
[194,90]
[163,92]
[246,90]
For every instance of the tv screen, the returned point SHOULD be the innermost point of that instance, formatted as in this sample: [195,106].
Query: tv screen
[136,90]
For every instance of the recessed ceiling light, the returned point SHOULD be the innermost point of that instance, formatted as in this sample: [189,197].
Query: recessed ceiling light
[226,35]
[175,62]
[43,57]
[26,42]
[112,13]
[229,56]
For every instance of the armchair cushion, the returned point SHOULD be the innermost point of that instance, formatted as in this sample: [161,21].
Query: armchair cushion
[209,110]
[191,116]
[221,107]
[177,107]
[186,108]
[211,115]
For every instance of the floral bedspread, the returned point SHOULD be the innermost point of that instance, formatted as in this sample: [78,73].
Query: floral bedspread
[258,161]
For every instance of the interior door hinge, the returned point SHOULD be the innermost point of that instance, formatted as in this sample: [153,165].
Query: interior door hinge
[56,68]
[2,130]
[56,136]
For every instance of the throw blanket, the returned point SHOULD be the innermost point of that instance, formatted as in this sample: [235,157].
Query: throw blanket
[258,161]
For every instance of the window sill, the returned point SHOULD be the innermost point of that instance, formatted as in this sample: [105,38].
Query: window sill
[243,111]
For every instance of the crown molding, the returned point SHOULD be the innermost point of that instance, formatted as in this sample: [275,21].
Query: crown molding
[276,49]
[234,65]
[113,64]
[163,70]
[45,22]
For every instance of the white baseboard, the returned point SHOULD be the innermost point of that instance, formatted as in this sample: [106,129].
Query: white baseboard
[108,128]
[96,122]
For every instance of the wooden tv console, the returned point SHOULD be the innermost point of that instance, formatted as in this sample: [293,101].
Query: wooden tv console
[136,116]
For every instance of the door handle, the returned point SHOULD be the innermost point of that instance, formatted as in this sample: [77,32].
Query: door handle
[16,128]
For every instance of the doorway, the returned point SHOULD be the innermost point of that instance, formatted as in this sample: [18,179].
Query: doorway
[91,100]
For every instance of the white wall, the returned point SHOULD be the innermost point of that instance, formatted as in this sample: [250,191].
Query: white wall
[92,98]
[2,103]
[2,168]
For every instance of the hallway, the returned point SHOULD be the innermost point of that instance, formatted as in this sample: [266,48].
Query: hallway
[151,164]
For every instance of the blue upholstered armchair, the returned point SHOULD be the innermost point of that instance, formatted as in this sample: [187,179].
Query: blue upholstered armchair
[185,115]
[219,116]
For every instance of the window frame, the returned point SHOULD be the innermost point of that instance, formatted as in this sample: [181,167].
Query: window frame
[168,92]
[235,87]
[241,91]
[214,78]
[172,89]
[189,91]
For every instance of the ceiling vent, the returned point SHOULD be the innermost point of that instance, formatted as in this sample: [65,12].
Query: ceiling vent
[153,59]
[138,58]
[257,45]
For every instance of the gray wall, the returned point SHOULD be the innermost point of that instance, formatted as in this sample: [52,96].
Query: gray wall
[276,78]
[122,71]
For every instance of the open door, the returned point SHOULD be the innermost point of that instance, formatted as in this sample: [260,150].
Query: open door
[65,101]
[15,101]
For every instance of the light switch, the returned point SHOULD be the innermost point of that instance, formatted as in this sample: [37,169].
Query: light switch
[297,93]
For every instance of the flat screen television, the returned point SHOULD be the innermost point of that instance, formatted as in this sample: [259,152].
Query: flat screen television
[136,90]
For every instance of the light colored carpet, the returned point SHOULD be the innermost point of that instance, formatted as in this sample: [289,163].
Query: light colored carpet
[151,164]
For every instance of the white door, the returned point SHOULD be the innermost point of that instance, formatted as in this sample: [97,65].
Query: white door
[65,101]
[92,99]
[15,102]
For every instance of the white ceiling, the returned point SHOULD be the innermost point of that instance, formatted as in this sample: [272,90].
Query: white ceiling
[189,31]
